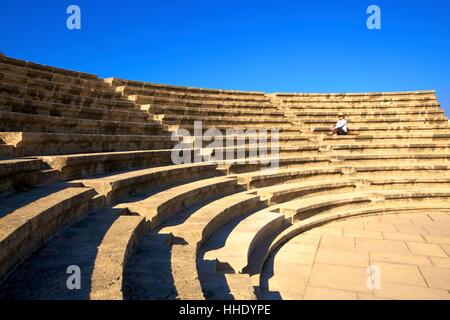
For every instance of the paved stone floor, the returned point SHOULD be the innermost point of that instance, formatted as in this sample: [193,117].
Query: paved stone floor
[408,253]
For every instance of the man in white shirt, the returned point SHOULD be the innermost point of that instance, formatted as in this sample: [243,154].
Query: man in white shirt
[341,127]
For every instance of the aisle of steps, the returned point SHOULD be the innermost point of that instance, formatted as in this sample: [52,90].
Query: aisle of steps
[140,227]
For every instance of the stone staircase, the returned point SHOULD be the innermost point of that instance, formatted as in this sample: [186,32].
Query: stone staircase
[87,179]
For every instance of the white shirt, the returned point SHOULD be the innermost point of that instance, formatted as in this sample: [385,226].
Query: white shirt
[341,124]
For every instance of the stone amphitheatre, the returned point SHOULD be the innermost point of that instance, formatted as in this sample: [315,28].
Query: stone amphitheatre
[87,180]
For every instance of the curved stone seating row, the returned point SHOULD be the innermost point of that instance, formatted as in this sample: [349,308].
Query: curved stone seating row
[46,108]
[180,89]
[121,185]
[39,67]
[118,244]
[212,111]
[48,74]
[159,207]
[312,113]
[207,120]
[140,99]
[64,97]
[358,97]
[85,90]
[233,255]
[169,94]
[17,175]
[393,162]
[45,143]
[374,122]
[16,121]
[387,138]
[27,220]
[442,129]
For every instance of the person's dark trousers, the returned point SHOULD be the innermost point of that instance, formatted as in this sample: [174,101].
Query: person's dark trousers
[341,132]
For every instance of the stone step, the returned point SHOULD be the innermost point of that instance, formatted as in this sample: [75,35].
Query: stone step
[39,74]
[118,244]
[159,207]
[232,250]
[371,148]
[13,104]
[280,193]
[376,122]
[148,85]
[400,129]
[122,185]
[189,95]
[100,245]
[43,143]
[301,209]
[313,114]
[196,229]
[52,86]
[385,138]
[363,170]
[44,68]
[77,166]
[15,121]
[214,111]
[364,97]
[17,175]
[199,103]
[31,218]
[64,97]
[211,120]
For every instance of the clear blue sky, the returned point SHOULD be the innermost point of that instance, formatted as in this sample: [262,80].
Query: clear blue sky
[304,46]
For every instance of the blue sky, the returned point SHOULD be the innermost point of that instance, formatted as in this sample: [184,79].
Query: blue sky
[303,46]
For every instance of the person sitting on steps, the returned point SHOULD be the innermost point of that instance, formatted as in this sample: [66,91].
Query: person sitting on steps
[341,127]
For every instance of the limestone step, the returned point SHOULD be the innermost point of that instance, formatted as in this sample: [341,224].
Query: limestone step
[369,148]
[122,185]
[100,245]
[181,110]
[64,97]
[361,108]
[76,166]
[373,123]
[400,129]
[301,209]
[41,67]
[212,120]
[43,143]
[29,219]
[39,74]
[265,178]
[352,97]
[189,95]
[197,228]
[15,121]
[199,103]
[18,175]
[386,138]
[160,206]
[101,92]
[118,244]
[148,85]
[312,114]
[285,128]
[13,104]
[306,188]
[272,164]
[232,253]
